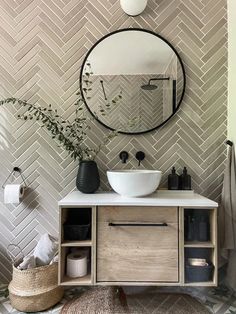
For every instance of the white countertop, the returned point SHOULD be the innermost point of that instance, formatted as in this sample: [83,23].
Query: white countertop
[159,198]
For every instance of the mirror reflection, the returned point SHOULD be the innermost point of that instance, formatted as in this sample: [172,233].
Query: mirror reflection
[132,81]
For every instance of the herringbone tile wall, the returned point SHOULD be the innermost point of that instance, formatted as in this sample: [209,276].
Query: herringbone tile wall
[144,110]
[42,45]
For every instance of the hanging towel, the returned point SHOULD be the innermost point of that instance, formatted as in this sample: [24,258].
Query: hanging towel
[228,218]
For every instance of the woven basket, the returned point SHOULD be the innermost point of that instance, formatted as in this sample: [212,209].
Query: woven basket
[35,289]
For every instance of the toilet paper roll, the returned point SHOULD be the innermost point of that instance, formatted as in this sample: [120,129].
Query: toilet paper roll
[13,193]
[81,250]
[76,265]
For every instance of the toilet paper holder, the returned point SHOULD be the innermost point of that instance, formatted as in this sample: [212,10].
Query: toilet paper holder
[15,169]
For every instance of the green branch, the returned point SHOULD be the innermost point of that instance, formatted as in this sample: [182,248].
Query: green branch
[69,135]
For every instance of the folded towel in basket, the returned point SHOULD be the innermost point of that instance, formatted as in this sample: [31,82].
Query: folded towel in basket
[27,263]
[45,253]
[45,250]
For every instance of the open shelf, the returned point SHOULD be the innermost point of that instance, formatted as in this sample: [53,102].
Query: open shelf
[64,279]
[198,225]
[76,243]
[76,225]
[201,284]
[200,242]
[196,244]
[67,281]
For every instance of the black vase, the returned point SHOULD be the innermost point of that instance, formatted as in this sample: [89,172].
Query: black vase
[88,179]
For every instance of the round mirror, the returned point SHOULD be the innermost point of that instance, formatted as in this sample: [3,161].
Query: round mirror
[132,81]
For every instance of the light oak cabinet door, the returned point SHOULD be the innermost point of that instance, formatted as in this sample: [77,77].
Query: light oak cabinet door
[137,244]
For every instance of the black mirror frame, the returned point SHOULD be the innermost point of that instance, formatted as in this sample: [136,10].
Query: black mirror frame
[123,30]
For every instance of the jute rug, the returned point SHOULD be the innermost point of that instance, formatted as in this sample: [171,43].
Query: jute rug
[101,300]
[110,300]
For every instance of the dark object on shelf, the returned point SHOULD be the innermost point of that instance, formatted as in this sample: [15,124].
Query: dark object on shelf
[76,232]
[77,225]
[140,157]
[196,226]
[173,180]
[88,179]
[189,228]
[199,273]
[185,180]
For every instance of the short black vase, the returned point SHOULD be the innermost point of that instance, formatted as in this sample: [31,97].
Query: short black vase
[88,179]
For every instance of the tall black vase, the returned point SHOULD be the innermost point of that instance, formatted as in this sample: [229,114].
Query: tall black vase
[88,179]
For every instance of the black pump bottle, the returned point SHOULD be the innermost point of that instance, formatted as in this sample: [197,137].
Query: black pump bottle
[185,180]
[173,180]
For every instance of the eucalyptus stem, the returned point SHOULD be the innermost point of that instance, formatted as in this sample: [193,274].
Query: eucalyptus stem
[70,135]
[53,125]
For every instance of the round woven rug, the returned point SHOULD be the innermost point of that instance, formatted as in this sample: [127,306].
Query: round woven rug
[110,300]
[99,300]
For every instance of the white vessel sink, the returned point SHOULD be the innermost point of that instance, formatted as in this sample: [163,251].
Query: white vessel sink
[134,183]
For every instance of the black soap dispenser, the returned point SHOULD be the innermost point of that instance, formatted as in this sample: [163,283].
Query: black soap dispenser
[173,180]
[185,180]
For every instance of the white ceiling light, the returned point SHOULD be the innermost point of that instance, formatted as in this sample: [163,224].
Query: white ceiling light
[133,7]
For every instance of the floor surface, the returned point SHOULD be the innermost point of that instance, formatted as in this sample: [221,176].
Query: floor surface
[220,300]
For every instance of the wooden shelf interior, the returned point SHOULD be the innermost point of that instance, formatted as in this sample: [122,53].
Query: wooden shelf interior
[201,284]
[76,243]
[63,278]
[196,244]
[86,280]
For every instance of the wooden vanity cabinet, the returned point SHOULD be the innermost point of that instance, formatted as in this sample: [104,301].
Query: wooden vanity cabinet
[140,244]
[137,244]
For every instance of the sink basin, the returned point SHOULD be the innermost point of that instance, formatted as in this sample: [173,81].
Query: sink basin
[134,183]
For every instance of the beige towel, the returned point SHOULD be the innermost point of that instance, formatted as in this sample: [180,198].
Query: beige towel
[228,217]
